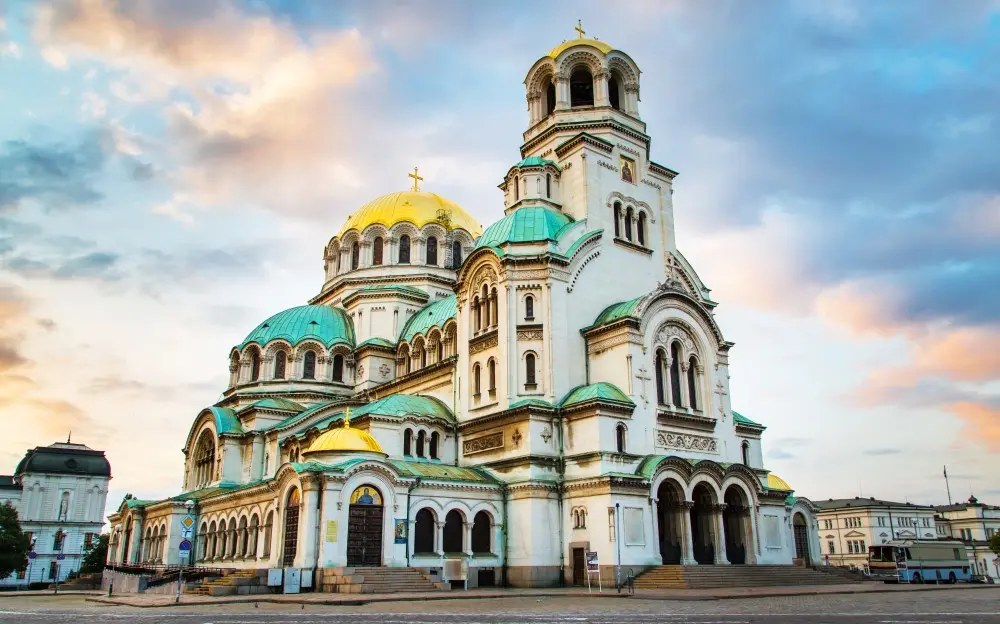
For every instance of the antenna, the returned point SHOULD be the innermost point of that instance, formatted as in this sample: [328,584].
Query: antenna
[946,484]
[69,437]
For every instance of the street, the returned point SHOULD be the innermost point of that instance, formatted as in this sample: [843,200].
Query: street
[955,606]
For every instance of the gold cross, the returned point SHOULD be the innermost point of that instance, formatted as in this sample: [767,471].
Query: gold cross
[347,417]
[579,29]
[416,179]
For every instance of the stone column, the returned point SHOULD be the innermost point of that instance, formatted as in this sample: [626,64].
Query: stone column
[308,519]
[668,381]
[467,538]
[562,92]
[687,535]
[655,506]
[685,399]
[601,89]
[439,538]
[720,543]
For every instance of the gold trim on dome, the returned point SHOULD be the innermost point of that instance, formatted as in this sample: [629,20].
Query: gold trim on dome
[566,45]
[416,207]
[775,482]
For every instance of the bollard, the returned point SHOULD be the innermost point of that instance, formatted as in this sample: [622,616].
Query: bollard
[111,585]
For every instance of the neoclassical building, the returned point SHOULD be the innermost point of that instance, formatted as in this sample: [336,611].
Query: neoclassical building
[513,396]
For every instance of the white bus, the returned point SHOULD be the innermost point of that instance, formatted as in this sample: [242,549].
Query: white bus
[920,561]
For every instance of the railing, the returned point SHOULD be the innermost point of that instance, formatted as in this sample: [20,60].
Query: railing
[627,583]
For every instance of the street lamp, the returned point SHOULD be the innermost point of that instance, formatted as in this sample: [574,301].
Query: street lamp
[188,505]
[31,556]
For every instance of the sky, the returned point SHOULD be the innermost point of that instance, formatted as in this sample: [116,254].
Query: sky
[171,170]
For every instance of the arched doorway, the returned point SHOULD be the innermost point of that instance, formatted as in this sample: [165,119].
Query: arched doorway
[365,527]
[703,525]
[128,541]
[800,529]
[291,528]
[423,532]
[669,507]
[735,522]
[454,528]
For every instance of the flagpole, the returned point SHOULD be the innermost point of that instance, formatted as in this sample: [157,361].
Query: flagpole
[946,484]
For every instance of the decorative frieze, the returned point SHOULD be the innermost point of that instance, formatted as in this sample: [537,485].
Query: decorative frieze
[482,343]
[482,444]
[607,165]
[687,442]
[529,332]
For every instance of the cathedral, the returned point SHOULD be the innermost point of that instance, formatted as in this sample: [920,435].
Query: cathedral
[491,404]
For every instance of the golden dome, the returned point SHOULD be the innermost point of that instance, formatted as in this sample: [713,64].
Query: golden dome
[566,45]
[416,207]
[345,438]
[775,482]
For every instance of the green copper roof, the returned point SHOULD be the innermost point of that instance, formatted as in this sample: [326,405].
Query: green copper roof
[436,313]
[285,405]
[531,224]
[743,420]
[226,420]
[538,402]
[535,161]
[396,405]
[617,311]
[601,390]
[377,342]
[409,290]
[296,418]
[440,472]
[648,465]
[328,325]
[580,241]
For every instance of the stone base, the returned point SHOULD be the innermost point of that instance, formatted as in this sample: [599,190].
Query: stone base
[533,576]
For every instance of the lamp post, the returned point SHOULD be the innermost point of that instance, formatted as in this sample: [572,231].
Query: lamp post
[618,539]
[188,505]
[31,557]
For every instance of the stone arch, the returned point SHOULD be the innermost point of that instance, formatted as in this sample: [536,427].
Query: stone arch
[671,507]
[453,535]
[373,231]
[585,58]
[424,530]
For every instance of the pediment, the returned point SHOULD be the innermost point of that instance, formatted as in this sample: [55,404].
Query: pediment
[854,534]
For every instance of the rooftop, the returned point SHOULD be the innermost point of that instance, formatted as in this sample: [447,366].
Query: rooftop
[860,503]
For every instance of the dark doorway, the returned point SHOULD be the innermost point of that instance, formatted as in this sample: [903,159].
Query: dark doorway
[128,538]
[481,527]
[423,532]
[364,528]
[735,520]
[579,566]
[702,530]
[669,507]
[291,529]
[801,532]
[453,528]
[581,88]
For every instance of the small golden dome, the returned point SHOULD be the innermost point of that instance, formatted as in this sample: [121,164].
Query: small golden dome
[345,439]
[566,45]
[416,207]
[775,482]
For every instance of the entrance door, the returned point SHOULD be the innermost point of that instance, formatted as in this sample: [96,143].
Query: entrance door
[365,528]
[702,532]
[291,529]
[801,534]
[579,566]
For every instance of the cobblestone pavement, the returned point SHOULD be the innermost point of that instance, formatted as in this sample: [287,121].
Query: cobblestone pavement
[939,607]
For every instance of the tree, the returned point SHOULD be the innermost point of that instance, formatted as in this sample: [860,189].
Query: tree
[95,556]
[995,544]
[13,542]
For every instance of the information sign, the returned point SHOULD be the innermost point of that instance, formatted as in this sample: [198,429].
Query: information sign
[184,545]
[594,567]
[32,555]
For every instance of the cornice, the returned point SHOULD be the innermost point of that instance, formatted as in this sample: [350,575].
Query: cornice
[519,414]
[336,286]
[681,419]
[584,126]
[395,386]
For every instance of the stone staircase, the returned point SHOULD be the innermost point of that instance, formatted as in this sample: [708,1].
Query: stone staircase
[232,583]
[733,576]
[377,581]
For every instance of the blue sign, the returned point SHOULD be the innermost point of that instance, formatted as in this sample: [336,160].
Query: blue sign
[60,557]
[185,545]
[32,555]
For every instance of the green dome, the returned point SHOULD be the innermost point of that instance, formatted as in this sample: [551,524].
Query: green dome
[436,313]
[327,325]
[531,224]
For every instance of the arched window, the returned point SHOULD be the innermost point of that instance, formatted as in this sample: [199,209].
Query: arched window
[280,359]
[432,251]
[675,374]
[254,533]
[435,439]
[550,98]
[407,442]
[618,220]
[421,440]
[204,460]
[517,188]
[440,351]
[338,367]
[244,538]
[581,88]
[529,308]
[453,529]
[476,380]
[213,552]
[746,453]
[529,371]
[254,365]
[692,381]
[423,357]
[481,526]
[202,542]
[377,251]
[268,526]
[456,254]
[423,532]
[658,374]
[620,438]
[613,94]
[476,318]
[628,223]
[491,374]
[548,185]
[404,249]
[486,307]
[309,365]
[494,308]
[641,231]
[355,256]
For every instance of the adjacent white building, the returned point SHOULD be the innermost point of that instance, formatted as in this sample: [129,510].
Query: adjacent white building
[974,523]
[848,526]
[516,396]
[59,491]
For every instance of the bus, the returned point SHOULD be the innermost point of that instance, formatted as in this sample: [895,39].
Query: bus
[919,561]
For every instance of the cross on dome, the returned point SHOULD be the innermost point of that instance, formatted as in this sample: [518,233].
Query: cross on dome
[416,179]
[347,418]
[580,32]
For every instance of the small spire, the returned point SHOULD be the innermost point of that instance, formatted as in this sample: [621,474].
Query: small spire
[580,32]
[347,418]
[416,179]
[69,437]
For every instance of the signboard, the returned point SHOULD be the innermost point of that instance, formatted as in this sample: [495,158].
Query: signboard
[274,577]
[331,530]
[182,555]
[188,522]
[594,567]
[399,530]
[293,581]
[60,556]
[184,545]
[32,555]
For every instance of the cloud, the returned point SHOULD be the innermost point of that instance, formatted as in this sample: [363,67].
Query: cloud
[55,175]
[880,452]
[97,265]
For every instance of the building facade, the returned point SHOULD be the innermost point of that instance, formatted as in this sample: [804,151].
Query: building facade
[848,526]
[59,491]
[515,396]
[974,523]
